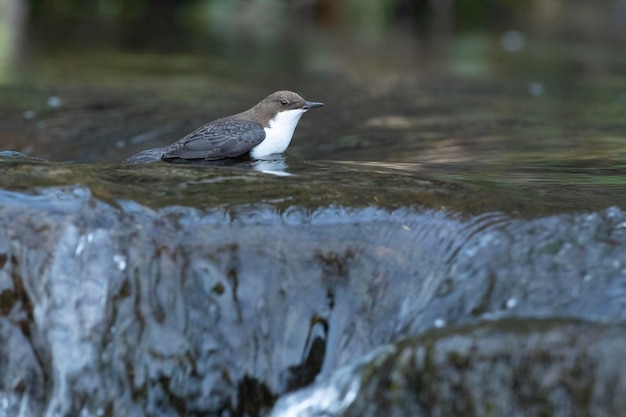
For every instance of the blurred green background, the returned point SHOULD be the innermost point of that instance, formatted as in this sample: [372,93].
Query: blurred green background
[281,32]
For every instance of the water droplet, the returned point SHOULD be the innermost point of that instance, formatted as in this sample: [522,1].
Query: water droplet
[511,303]
[54,102]
[513,41]
[120,261]
[613,212]
[439,323]
[535,89]
[29,114]
[80,246]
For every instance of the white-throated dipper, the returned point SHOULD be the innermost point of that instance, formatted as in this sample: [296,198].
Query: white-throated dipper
[265,129]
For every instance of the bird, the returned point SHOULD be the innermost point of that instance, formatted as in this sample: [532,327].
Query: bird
[265,129]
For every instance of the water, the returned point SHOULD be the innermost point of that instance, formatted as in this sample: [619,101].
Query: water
[225,307]
[497,128]
[457,192]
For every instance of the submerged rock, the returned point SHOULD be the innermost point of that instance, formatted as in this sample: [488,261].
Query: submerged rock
[506,368]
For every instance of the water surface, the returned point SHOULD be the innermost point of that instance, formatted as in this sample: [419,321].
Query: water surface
[519,121]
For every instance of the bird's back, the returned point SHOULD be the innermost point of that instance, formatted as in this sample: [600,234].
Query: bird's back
[223,138]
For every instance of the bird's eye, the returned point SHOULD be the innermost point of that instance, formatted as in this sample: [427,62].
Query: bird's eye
[284,102]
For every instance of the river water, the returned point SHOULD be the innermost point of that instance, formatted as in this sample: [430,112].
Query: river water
[542,116]
[444,237]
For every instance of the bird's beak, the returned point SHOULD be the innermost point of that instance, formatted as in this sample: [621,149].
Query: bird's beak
[311,105]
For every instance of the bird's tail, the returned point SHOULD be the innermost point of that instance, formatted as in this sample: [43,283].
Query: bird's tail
[147,156]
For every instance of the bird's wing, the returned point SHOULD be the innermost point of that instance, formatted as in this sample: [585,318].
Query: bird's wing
[224,138]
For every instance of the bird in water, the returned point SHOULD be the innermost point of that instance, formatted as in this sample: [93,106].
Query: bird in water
[265,129]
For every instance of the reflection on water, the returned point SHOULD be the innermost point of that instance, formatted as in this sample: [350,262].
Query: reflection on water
[272,164]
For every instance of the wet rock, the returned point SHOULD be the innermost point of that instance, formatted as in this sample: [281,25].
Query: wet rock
[508,368]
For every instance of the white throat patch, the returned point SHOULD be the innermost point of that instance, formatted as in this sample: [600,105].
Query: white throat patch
[279,133]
